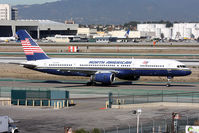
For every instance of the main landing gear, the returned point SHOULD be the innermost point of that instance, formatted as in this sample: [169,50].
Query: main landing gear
[169,78]
[91,83]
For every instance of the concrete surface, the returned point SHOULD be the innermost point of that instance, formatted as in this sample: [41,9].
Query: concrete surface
[89,113]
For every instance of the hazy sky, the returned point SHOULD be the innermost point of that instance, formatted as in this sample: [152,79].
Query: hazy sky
[26,2]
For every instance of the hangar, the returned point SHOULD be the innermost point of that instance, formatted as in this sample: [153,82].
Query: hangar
[37,28]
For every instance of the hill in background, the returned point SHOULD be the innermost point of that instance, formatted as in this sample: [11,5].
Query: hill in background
[112,11]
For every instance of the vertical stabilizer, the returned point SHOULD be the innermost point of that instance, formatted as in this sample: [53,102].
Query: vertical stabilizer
[127,33]
[31,48]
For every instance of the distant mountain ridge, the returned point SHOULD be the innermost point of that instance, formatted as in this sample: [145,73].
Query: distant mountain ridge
[112,11]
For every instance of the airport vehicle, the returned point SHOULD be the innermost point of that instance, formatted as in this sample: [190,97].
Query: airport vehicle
[6,125]
[102,70]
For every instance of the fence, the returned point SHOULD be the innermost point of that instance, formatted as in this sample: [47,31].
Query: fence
[188,97]
[161,125]
[157,126]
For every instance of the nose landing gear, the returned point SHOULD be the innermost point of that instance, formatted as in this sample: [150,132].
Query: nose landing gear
[169,78]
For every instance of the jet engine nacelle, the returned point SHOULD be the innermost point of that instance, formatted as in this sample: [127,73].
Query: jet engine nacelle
[104,78]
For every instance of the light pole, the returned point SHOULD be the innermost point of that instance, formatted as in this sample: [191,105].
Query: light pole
[104,130]
[153,127]
[117,129]
[165,122]
[129,128]
[138,113]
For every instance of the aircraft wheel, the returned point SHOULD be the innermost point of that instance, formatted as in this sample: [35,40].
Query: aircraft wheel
[168,85]
[91,84]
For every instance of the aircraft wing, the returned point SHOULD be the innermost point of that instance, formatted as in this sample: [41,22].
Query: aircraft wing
[89,71]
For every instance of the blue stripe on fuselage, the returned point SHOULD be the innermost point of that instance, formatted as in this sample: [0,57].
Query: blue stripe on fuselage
[123,73]
[162,72]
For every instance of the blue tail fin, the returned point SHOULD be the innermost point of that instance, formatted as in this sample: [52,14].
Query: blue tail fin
[31,48]
[127,33]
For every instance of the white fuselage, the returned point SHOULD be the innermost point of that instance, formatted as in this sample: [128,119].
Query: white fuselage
[111,63]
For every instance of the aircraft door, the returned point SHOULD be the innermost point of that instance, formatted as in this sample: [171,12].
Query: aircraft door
[74,66]
[169,70]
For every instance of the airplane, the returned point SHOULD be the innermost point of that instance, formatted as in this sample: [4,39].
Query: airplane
[100,70]
[127,33]
[7,39]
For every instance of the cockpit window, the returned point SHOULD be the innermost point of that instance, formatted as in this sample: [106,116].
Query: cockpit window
[181,66]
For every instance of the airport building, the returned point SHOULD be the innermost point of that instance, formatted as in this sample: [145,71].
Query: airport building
[179,31]
[38,29]
[7,12]
[159,30]
[83,32]
[86,32]
[122,34]
[185,31]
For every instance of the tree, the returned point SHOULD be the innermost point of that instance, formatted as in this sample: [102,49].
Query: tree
[168,23]
[95,130]
[81,131]
[131,25]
